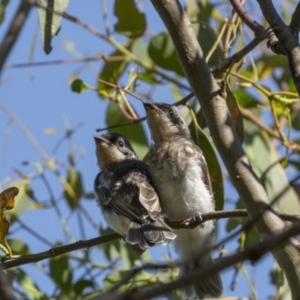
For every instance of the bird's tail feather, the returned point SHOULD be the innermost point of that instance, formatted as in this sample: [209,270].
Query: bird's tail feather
[149,234]
[210,286]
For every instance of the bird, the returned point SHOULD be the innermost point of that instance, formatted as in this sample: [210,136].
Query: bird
[125,194]
[180,176]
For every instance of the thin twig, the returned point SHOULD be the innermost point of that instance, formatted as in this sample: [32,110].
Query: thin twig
[122,125]
[97,57]
[25,130]
[105,17]
[120,90]
[258,29]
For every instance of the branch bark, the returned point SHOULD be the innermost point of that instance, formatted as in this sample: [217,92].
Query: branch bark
[286,35]
[225,138]
[6,292]
[253,253]
[190,223]
[14,30]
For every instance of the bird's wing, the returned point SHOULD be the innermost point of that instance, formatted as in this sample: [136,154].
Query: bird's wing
[130,196]
[149,199]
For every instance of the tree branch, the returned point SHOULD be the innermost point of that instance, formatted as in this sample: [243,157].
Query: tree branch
[224,135]
[286,36]
[14,30]
[6,291]
[258,29]
[190,223]
[252,253]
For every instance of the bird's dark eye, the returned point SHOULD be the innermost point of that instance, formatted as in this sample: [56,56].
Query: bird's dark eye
[171,112]
[121,143]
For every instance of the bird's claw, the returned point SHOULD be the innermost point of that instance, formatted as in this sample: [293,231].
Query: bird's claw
[198,218]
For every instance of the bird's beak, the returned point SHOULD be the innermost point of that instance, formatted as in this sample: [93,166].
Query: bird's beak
[100,140]
[148,106]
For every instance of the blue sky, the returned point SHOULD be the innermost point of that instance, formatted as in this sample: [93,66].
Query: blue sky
[41,98]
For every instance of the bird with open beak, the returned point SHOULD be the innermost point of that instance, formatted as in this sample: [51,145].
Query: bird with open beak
[180,176]
[125,194]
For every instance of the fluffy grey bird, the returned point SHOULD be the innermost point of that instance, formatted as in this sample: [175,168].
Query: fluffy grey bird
[180,176]
[125,194]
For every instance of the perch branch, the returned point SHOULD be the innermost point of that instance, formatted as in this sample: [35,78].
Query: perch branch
[190,223]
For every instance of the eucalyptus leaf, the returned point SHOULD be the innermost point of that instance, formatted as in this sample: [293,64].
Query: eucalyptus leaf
[162,52]
[61,273]
[74,191]
[50,22]
[111,71]
[131,22]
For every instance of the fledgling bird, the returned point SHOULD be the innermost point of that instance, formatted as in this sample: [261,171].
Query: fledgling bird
[180,176]
[125,193]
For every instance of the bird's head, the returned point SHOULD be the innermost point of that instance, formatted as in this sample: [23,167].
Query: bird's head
[112,148]
[165,121]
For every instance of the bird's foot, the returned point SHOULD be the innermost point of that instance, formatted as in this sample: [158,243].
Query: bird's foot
[198,218]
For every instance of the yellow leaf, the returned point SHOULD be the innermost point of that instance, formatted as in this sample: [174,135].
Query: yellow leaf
[4,226]
[7,198]
[50,131]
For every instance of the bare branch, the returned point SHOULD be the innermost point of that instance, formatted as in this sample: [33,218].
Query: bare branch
[14,30]
[224,135]
[252,253]
[6,291]
[190,223]
[286,36]
[97,57]
[227,62]
[33,258]
[258,29]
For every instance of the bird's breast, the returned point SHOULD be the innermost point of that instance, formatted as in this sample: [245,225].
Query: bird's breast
[177,176]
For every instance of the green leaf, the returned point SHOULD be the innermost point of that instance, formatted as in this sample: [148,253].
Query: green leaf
[279,281]
[131,22]
[265,161]
[134,132]
[49,22]
[277,277]
[295,117]
[78,86]
[31,290]
[207,38]
[201,139]
[213,165]
[162,52]
[18,247]
[74,190]
[148,77]
[140,49]
[244,99]
[61,273]
[3,5]
[111,71]
[81,285]
[141,279]
[235,114]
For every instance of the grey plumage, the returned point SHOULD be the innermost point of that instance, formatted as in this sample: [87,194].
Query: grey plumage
[180,176]
[125,194]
